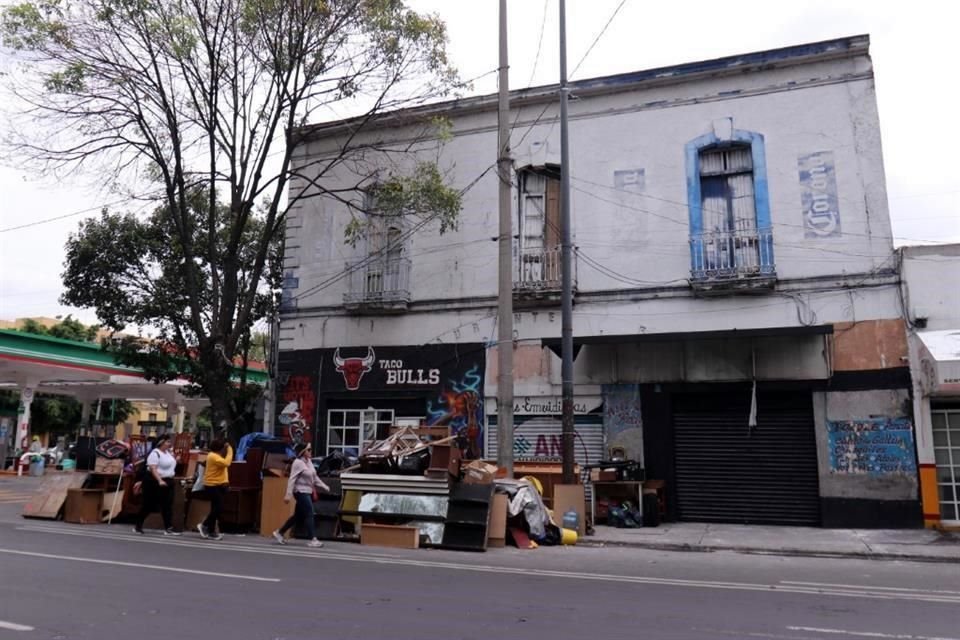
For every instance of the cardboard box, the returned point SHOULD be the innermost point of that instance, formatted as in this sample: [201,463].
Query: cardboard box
[478,472]
[385,535]
[83,506]
[497,528]
[103,465]
[601,475]
[566,497]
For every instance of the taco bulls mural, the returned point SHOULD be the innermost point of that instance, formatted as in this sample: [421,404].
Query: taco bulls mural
[354,368]
[440,384]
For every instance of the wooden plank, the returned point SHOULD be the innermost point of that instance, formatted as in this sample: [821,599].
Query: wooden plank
[51,495]
[520,538]
[387,535]
[273,510]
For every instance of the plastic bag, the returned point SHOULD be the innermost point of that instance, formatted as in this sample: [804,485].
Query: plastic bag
[198,483]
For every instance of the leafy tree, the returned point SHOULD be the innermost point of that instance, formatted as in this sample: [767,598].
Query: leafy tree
[199,106]
[32,326]
[72,329]
[260,347]
[50,413]
[68,329]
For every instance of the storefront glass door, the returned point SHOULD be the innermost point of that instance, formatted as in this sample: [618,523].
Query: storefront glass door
[946,445]
[349,430]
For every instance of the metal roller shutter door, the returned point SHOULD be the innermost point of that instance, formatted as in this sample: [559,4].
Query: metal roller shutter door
[536,432]
[729,472]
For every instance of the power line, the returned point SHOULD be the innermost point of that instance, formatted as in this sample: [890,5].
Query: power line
[63,217]
[543,28]
[373,256]
[599,35]
[685,206]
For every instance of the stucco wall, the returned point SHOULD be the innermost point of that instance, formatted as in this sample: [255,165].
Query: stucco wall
[639,234]
[837,480]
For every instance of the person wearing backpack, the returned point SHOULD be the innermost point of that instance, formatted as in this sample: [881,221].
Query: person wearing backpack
[216,483]
[302,486]
[157,486]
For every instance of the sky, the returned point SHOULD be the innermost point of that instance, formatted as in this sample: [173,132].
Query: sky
[915,63]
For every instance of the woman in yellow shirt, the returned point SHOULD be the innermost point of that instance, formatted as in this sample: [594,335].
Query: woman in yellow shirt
[216,482]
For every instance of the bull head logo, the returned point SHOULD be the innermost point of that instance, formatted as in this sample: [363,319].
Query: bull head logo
[354,368]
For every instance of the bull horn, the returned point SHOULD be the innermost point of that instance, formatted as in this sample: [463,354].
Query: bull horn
[368,361]
[337,360]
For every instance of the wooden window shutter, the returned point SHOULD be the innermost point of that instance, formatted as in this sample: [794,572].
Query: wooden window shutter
[551,231]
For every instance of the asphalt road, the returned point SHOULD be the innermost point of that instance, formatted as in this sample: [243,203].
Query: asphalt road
[71,582]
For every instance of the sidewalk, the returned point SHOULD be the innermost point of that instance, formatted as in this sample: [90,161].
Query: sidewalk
[922,545]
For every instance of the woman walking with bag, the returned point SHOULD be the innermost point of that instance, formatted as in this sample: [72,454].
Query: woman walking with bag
[301,486]
[216,483]
[157,486]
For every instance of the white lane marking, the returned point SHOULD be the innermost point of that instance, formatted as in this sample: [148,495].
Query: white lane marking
[866,586]
[546,573]
[868,634]
[155,567]
[13,626]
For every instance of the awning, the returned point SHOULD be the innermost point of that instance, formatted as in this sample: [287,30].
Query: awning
[940,360]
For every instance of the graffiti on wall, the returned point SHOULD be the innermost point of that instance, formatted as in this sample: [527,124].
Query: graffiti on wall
[621,408]
[873,446]
[460,407]
[299,408]
[622,418]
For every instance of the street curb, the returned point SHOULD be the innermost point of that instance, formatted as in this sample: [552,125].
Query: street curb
[799,553]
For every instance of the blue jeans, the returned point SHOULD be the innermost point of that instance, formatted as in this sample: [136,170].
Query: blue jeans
[302,515]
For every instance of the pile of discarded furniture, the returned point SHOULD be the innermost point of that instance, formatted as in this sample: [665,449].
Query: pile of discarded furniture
[412,489]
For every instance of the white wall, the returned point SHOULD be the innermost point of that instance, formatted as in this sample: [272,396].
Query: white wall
[931,278]
[824,106]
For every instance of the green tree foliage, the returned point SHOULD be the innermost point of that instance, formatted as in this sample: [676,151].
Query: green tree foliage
[67,329]
[199,107]
[57,414]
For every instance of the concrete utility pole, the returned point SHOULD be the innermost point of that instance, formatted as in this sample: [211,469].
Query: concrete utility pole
[505,307]
[270,398]
[566,308]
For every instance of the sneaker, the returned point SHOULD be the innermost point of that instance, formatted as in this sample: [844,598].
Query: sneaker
[279,537]
[171,532]
[216,536]
[202,530]
[138,531]
[315,543]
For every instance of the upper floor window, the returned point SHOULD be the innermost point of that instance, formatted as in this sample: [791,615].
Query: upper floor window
[382,276]
[539,208]
[538,259]
[730,231]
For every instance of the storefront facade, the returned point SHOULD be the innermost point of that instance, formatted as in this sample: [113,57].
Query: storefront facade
[351,395]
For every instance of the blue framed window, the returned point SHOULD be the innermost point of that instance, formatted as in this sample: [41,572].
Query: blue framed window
[729,207]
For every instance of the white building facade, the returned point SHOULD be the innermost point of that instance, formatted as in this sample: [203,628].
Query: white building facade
[931,275]
[737,311]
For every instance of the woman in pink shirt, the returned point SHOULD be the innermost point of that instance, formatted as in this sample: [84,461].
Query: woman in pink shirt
[301,485]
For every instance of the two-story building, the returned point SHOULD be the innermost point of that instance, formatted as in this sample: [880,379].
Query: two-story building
[737,318]
[930,276]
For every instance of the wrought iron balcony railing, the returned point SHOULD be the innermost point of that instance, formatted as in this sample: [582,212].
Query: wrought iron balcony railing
[538,271]
[378,283]
[732,256]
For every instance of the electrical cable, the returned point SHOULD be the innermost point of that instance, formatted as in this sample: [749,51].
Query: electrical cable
[599,36]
